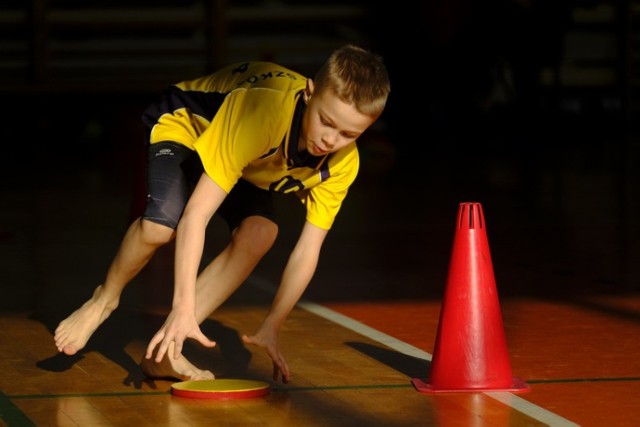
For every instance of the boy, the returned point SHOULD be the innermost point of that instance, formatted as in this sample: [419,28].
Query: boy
[221,144]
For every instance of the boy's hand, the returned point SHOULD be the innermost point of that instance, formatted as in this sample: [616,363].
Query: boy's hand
[177,328]
[268,339]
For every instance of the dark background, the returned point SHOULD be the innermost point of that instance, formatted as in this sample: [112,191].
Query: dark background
[529,107]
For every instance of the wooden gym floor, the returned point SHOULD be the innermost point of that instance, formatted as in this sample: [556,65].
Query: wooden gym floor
[566,272]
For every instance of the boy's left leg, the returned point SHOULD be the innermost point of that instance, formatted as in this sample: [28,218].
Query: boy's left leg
[250,241]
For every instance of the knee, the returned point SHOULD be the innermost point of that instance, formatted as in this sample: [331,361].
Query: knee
[156,234]
[255,235]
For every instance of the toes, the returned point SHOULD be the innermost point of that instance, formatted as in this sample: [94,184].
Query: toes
[202,375]
[70,350]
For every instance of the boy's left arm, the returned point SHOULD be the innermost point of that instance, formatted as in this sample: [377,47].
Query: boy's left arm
[295,278]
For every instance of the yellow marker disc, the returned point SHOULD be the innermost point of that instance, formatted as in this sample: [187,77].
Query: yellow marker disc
[220,389]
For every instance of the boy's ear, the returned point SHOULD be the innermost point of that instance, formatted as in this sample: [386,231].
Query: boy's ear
[308,91]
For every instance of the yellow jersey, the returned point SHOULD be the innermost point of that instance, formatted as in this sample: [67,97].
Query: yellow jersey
[244,122]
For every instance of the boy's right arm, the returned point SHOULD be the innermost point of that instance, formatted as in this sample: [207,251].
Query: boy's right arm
[181,322]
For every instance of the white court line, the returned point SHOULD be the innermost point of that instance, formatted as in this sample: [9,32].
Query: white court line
[509,399]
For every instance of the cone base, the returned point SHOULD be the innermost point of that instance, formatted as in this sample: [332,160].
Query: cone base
[516,386]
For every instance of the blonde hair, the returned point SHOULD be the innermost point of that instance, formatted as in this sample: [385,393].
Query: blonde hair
[358,77]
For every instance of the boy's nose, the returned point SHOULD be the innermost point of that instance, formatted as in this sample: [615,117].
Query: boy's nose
[330,139]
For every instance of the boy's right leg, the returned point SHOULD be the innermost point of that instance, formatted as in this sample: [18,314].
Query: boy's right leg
[140,242]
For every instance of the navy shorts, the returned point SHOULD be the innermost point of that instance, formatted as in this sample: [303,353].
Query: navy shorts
[173,170]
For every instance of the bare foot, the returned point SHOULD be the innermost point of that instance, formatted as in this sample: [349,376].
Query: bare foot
[180,369]
[72,333]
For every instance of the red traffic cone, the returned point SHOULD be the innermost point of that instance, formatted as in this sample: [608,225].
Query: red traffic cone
[470,352]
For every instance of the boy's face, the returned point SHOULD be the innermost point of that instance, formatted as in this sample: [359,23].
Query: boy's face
[329,124]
